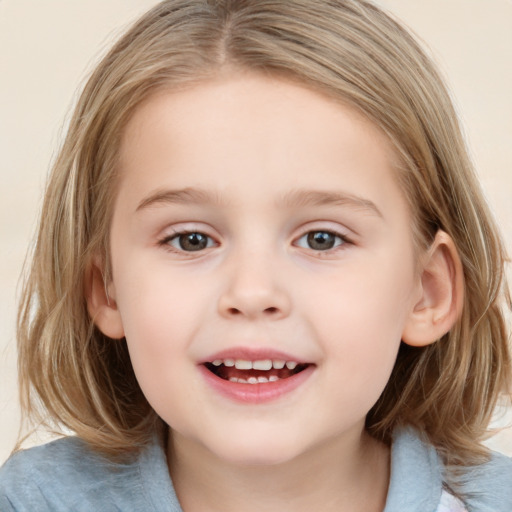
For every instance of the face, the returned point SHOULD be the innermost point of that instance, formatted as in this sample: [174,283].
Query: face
[263,266]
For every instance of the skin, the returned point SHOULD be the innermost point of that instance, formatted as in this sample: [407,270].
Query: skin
[257,146]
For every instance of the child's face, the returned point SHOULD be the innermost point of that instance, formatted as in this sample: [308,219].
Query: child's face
[299,248]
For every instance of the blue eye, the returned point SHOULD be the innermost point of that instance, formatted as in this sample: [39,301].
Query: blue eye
[190,242]
[320,240]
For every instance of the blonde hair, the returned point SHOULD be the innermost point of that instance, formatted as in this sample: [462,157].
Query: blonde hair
[75,377]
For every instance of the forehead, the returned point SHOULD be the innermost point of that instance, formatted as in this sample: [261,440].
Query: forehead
[273,133]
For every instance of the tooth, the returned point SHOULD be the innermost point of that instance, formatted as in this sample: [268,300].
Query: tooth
[241,364]
[217,362]
[273,378]
[278,365]
[252,380]
[291,365]
[229,362]
[233,379]
[266,364]
[262,379]
[242,381]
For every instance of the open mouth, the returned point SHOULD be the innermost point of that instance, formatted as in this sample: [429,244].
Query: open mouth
[254,372]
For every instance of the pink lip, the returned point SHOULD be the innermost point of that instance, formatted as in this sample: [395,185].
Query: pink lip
[255,393]
[253,354]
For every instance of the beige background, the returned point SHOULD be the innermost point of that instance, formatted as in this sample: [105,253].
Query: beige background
[48,46]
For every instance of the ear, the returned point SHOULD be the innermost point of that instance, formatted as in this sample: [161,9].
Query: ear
[101,302]
[440,294]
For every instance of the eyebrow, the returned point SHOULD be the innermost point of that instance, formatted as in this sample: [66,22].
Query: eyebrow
[293,199]
[304,198]
[187,195]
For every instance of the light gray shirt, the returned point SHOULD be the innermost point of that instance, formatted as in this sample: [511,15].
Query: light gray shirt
[66,475]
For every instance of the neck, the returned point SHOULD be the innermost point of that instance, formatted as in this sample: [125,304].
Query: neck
[337,476]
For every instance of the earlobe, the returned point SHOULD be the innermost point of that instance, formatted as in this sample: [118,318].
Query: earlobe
[101,303]
[441,294]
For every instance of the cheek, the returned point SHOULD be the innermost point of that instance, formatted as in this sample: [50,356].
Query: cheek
[157,304]
[158,333]
[360,323]
[160,316]
[367,302]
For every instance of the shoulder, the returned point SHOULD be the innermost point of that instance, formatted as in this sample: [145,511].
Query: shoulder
[486,487]
[62,475]
[418,479]
[65,457]
[68,475]
[419,476]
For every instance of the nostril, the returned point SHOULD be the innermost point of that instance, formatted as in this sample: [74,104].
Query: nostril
[270,311]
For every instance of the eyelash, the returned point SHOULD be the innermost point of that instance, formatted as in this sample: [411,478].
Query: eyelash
[166,242]
[343,240]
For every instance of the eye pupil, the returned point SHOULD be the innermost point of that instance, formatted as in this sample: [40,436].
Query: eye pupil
[193,241]
[321,240]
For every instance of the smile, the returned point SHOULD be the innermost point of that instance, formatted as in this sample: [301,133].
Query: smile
[254,372]
[247,377]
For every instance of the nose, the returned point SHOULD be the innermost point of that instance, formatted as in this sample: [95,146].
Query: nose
[253,290]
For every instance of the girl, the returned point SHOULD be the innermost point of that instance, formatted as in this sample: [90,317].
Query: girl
[265,277]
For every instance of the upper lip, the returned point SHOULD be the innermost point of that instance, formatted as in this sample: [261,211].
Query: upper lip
[254,354]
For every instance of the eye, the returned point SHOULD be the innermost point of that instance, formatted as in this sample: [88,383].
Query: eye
[320,240]
[189,242]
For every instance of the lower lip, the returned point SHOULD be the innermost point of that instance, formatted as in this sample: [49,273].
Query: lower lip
[256,393]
